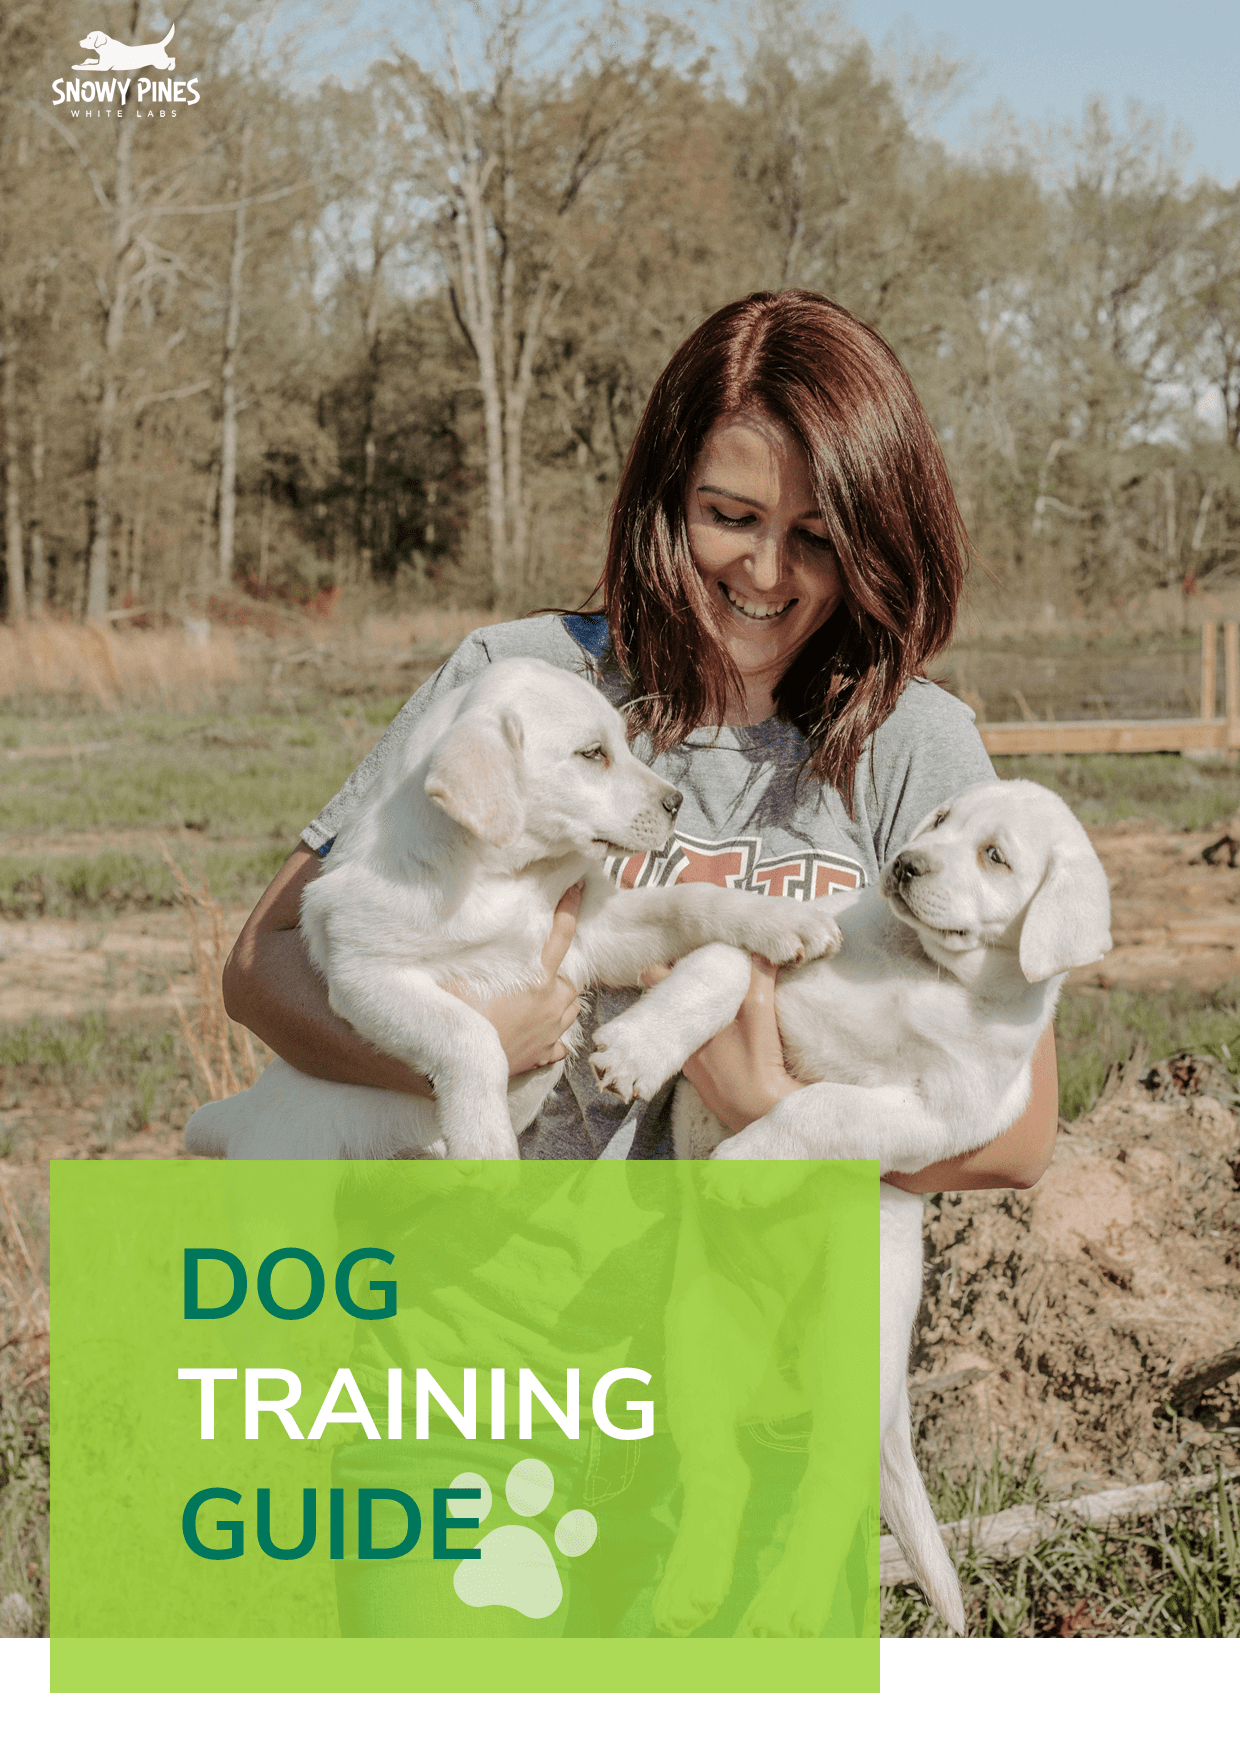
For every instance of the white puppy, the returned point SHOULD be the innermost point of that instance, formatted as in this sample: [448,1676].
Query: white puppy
[114,57]
[915,1043]
[508,791]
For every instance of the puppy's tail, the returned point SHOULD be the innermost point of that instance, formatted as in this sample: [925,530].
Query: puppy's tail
[906,1507]
[168,38]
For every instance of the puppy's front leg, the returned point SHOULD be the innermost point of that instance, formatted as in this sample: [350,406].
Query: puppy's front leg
[637,1052]
[403,1013]
[637,927]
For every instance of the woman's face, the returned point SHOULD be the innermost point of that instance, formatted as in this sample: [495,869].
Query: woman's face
[768,572]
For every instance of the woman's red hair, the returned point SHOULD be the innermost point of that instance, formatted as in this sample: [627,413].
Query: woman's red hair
[884,494]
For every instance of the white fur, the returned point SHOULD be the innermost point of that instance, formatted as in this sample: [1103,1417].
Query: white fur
[508,790]
[915,1042]
[114,57]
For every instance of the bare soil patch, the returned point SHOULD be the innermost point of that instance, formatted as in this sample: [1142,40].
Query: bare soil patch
[1175,920]
[66,968]
[1063,1319]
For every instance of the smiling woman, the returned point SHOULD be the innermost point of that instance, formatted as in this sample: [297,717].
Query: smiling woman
[785,539]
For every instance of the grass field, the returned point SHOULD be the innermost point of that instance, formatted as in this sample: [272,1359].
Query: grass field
[1158,1576]
[90,795]
[1096,1030]
[86,801]
[1168,789]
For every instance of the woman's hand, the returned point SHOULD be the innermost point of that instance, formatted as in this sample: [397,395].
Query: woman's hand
[530,1023]
[740,1074]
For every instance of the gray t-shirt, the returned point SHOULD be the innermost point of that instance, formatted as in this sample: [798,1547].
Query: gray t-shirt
[751,819]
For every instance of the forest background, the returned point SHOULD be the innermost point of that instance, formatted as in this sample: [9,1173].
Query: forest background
[386,343]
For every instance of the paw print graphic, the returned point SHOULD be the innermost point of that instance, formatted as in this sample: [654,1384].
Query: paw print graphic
[517,1568]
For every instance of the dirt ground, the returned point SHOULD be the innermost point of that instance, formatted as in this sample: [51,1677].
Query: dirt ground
[1063,1320]
[1175,920]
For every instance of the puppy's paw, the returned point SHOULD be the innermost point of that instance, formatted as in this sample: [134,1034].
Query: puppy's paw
[695,1583]
[482,1145]
[793,1603]
[627,1066]
[791,932]
[733,1184]
[496,1178]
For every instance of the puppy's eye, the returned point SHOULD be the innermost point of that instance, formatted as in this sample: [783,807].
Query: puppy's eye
[940,818]
[996,857]
[595,752]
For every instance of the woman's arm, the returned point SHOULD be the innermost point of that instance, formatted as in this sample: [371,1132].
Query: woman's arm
[1017,1158]
[272,987]
[740,1075]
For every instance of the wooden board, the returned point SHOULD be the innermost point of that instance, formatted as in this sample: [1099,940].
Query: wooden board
[1108,736]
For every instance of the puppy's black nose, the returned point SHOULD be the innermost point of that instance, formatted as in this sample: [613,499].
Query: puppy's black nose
[910,865]
[673,801]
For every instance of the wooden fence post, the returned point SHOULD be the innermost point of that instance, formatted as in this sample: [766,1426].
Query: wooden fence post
[1231,672]
[1207,670]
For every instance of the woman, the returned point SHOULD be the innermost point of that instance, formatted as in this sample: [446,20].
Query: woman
[786,556]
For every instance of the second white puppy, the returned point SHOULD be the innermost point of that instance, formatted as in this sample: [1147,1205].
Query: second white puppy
[509,790]
[915,1044]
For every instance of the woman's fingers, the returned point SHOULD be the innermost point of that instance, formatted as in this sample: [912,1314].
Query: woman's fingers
[530,1021]
[658,971]
[741,1074]
[761,992]
[563,925]
[558,989]
[572,1010]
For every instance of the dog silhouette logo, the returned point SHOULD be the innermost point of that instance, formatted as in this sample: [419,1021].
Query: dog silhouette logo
[114,57]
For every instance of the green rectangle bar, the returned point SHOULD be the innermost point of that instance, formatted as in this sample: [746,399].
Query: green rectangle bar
[322,1428]
[453,1665]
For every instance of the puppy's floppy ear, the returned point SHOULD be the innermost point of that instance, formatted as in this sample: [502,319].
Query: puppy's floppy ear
[477,776]
[1068,922]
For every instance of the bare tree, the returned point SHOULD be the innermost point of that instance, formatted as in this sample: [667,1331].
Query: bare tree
[131,261]
[368,228]
[228,368]
[1210,308]
[15,571]
[148,204]
[518,168]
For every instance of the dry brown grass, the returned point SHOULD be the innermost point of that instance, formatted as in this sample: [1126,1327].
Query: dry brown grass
[139,667]
[24,1371]
[222,1051]
[143,667]
[23,1307]
[397,634]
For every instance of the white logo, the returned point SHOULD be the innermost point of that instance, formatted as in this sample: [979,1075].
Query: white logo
[114,56]
[516,1568]
[114,94]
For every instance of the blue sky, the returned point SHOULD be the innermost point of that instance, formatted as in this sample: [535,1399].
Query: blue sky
[1045,59]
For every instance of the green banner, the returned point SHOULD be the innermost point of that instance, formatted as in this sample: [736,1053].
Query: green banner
[588,1431]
